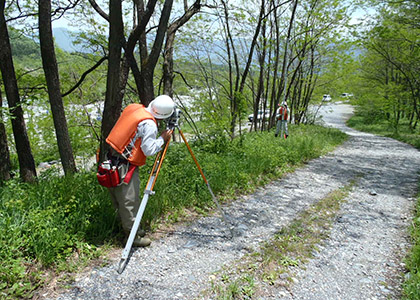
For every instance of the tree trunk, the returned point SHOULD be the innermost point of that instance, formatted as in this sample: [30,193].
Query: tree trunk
[261,61]
[168,64]
[274,102]
[168,54]
[233,87]
[283,80]
[117,74]
[146,92]
[49,63]
[4,149]
[113,104]
[23,147]
[148,66]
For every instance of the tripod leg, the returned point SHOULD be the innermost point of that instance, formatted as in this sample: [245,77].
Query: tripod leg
[148,191]
[230,225]
[133,232]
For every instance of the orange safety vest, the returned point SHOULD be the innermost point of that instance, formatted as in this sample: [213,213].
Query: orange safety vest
[125,130]
[283,114]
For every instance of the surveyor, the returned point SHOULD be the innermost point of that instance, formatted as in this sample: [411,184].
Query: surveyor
[282,115]
[132,139]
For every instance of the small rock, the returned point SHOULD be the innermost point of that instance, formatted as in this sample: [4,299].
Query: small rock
[294,280]
[384,290]
[365,280]
[190,244]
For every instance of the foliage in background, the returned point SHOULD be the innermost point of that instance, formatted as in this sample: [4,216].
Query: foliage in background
[83,106]
[24,47]
[390,66]
[201,66]
[46,225]
[366,120]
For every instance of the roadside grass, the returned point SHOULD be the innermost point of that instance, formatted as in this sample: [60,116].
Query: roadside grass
[59,225]
[383,128]
[412,278]
[411,284]
[274,264]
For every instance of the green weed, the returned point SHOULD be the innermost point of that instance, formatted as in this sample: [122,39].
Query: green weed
[44,224]
[382,127]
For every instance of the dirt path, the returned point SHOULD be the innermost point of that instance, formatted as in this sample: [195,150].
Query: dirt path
[360,260]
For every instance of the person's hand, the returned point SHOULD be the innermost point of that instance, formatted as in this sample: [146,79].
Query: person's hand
[166,135]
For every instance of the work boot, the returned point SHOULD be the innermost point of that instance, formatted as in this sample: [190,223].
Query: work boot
[141,242]
[140,233]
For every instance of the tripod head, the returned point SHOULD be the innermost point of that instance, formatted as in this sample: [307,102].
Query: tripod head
[172,121]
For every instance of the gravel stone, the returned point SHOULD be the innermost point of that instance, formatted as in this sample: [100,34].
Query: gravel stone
[361,258]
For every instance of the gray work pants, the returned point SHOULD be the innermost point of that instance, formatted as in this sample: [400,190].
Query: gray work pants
[282,125]
[125,198]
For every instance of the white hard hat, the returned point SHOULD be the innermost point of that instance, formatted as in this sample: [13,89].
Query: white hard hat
[161,107]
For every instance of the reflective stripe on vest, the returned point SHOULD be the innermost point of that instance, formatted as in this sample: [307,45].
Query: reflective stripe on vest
[121,136]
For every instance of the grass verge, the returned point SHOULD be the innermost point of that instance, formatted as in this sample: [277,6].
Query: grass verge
[59,224]
[412,278]
[383,128]
[274,263]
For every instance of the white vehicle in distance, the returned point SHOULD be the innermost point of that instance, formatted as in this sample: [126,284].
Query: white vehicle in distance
[260,115]
[326,98]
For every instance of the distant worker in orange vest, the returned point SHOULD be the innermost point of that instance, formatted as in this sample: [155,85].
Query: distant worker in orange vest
[282,115]
[132,139]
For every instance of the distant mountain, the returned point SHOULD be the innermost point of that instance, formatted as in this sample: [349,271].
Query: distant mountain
[64,40]
[23,46]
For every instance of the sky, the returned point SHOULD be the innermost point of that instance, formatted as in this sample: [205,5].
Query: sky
[362,15]
[359,16]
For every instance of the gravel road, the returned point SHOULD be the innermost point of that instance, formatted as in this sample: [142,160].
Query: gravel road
[361,258]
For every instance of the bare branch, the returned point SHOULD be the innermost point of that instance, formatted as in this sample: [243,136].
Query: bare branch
[99,10]
[184,79]
[84,75]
